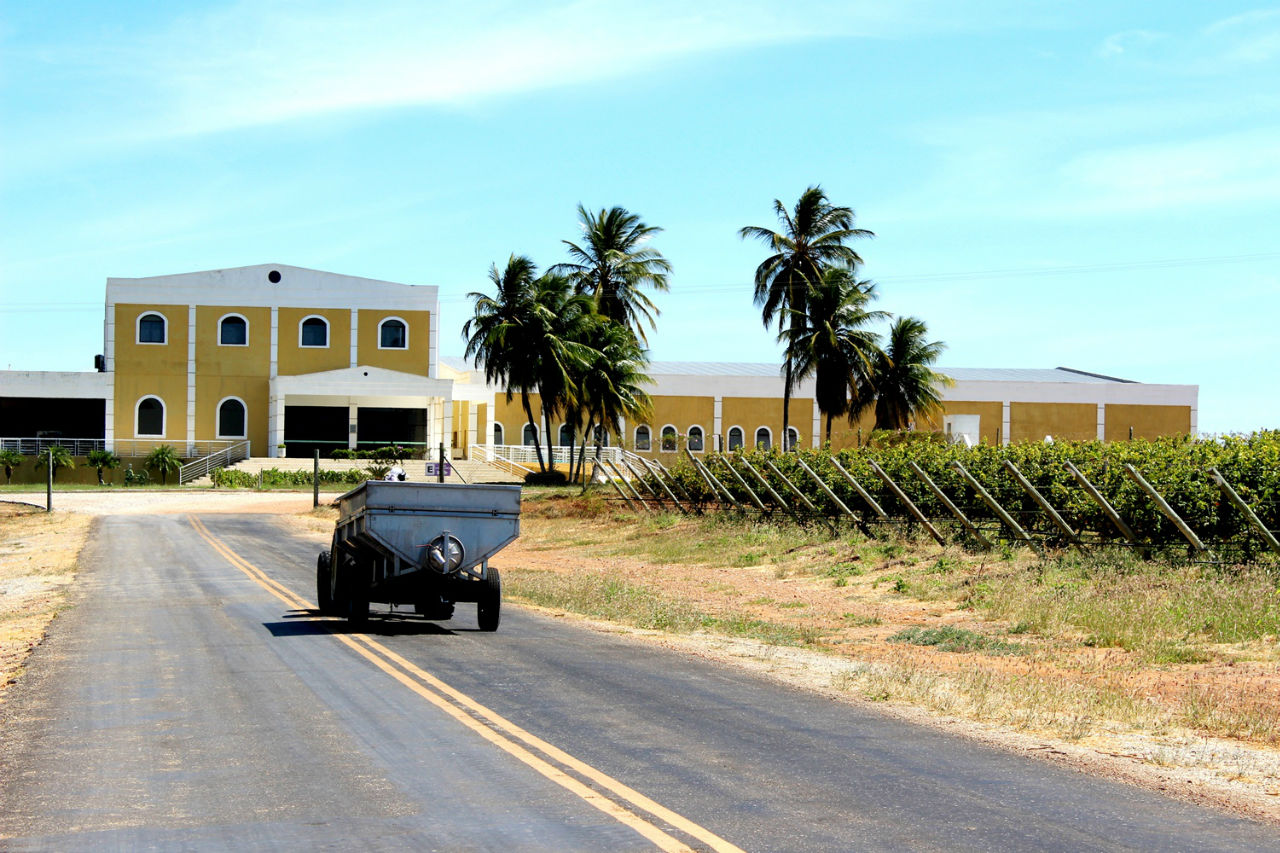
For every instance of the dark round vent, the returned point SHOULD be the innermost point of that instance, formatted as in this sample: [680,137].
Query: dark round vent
[274,276]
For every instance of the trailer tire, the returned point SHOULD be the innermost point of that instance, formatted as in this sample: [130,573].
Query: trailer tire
[324,583]
[489,603]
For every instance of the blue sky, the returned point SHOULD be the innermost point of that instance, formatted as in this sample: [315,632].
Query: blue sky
[1088,184]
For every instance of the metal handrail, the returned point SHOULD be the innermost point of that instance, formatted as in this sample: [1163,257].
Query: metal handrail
[39,445]
[198,468]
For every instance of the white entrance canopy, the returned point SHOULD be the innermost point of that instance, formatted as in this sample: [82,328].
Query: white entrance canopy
[360,386]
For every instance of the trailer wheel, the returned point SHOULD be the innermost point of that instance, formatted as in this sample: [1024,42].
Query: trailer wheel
[489,605]
[324,583]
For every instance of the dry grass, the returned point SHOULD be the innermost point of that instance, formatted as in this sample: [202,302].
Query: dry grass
[38,553]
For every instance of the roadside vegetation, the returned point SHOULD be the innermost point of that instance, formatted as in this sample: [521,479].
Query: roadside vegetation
[1079,646]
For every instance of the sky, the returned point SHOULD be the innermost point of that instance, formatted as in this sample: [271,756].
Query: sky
[1093,185]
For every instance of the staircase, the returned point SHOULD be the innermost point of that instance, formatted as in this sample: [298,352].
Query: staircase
[464,470]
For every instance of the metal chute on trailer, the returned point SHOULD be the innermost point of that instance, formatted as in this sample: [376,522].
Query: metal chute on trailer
[422,544]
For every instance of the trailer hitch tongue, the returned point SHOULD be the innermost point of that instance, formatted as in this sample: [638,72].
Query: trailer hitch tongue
[445,553]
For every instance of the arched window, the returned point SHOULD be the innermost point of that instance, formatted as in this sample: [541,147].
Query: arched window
[149,417]
[233,331]
[793,438]
[313,332]
[695,438]
[393,333]
[499,435]
[642,438]
[668,439]
[530,435]
[566,435]
[601,436]
[735,438]
[152,329]
[764,438]
[231,418]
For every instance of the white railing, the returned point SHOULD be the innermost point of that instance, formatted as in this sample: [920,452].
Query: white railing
[526,455]
[186,449]
[218,459]
[37,446]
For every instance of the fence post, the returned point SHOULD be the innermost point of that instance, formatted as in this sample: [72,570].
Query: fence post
[440,465]
[1168,511]
[991,502]
[906,501]
[862,493]
[657,475]
[1107,508]
[783,477]
[754,497]
[1044,504]
[613,482]
[651,464]
[1244,508]
[48,498]
[946,501]
[315,480]
[710,480]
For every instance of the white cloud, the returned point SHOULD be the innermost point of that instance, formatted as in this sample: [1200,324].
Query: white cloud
[1120,43]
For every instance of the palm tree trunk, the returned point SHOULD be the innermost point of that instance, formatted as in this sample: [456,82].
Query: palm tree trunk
[537,445]
[551,456]
[786,403]
[828,429]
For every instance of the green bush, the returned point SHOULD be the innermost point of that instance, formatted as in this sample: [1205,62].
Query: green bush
[274,477]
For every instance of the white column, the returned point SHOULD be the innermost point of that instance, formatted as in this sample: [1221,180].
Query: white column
[275,348]
[191,379]
[717,422]
[817,425]
[275,425]
[355,337]
[471,425]
[1102,421]
[1004,422]
[353,425]
[446,423]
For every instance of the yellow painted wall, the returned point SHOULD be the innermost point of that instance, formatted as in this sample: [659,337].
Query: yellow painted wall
[1066,421]
[414,359]
[233,371]
[511,415]
[1147,421]
[292,359]
[751,413]
[151,369]
[991,416]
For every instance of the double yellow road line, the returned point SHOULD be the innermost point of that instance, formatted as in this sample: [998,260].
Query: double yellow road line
[600,790]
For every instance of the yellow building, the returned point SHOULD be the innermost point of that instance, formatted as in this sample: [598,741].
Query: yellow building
[293,360]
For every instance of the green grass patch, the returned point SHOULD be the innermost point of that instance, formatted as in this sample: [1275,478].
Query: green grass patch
[952,639]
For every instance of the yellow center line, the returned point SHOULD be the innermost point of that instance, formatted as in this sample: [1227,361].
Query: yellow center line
[405,672]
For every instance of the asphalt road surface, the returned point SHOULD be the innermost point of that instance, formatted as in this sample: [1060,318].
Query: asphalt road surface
[191,700]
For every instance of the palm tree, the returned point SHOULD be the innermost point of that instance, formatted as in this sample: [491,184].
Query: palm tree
[610,385]
[501,331]
[60,456]
[164,459]
[9,459]
[834,345]
[905,383]
[812,238]
[613,265]
[101,459]
[561,318]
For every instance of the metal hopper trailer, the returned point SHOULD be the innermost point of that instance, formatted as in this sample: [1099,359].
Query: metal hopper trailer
[421,544]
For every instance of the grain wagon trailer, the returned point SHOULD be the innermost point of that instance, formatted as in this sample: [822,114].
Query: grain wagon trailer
[422,544]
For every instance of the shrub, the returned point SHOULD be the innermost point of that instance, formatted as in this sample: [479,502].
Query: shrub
[545,478]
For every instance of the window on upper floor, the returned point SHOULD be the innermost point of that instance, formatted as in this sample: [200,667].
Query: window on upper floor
[314,332]
[695,439]
[642,438]
[152,329]
[735,438]
[668,439]
[764,438]
[393,334]
[499,435]
[793,438]
[233,331]
[530,435]
[566,435]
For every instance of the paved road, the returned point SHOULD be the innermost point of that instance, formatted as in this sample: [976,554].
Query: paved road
[190,701]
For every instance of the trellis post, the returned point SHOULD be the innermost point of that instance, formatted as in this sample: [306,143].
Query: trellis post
[907,502]
[768,488]
[992,502]
[1168,511]
[862,493]
[1044,504]
[1235,498]
[946,501]
[826,489]
[754,497]
[1107,508]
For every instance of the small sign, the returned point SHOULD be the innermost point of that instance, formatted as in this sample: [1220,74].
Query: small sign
[433,469]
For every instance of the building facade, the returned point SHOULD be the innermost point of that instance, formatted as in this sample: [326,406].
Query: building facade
[294,360]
